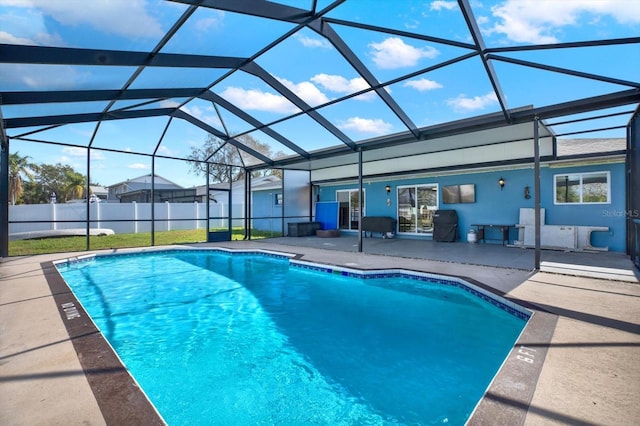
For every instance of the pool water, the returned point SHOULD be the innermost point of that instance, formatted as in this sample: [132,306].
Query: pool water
[220,338]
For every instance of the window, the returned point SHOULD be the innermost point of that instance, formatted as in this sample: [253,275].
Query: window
[278,199]
[349,208]
[582,188]
[416,205]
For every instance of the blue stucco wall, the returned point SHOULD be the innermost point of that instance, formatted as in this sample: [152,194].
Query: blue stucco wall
[497,206]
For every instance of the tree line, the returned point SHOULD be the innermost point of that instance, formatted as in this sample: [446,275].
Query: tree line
[31,183]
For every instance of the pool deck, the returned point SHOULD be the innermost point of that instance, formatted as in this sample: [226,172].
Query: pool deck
[581,359]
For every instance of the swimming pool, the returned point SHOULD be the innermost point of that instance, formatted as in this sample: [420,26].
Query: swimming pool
[233,338]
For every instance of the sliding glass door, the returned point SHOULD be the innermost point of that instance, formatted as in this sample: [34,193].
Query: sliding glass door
[416,205]
[349,208]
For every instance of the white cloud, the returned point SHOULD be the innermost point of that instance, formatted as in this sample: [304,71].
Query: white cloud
[540,21]
[443,5]
[339,84]
[464,104]
[168,103]
[313,42]
[40,77]
[166,151]
[127,18]
[395,53]
[482,20]
[7,38]
[207,115]
[27,26]
[258,100]
[365,125]
[139,166]
[214,22]
[75,151]
[423,84]
[306,91]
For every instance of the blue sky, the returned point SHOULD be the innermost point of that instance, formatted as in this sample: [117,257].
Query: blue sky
[309,66]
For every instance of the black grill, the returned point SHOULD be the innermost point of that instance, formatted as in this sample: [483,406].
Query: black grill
[445,225]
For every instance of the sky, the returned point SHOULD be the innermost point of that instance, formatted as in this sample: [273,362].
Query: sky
[309,66]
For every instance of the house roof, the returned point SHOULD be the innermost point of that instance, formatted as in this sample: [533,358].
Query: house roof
[144,181]
[591,146]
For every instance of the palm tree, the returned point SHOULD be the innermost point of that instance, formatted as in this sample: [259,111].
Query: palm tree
[75,187]
[18,167]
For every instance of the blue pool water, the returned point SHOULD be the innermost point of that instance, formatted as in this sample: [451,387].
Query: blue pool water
[237,339]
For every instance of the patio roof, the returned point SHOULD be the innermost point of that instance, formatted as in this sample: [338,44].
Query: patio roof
[315,81]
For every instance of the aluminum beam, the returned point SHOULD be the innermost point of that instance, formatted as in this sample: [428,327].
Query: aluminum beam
[52,120]
[399,33]
[18,54]
[565,71]
[210,96]
[206,127]
[342,47]
[472,24]
[258,71]
[4,191]
[43,97]
[567,45]
[260,8]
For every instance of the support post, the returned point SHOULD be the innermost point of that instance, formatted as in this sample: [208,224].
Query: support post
[536,183]
[230,206]
[4,193]
[88,200]
[153,201]
[208,201]
[360,200]
[247,205]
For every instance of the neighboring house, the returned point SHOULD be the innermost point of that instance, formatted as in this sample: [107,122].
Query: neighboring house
[266,203]
[100,192]
[139,190]
[581,185]
[97,194]
[266,200]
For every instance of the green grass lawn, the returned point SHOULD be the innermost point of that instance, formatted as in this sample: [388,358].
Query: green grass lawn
[67,244]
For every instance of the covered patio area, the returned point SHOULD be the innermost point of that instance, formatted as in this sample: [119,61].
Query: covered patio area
[481,254]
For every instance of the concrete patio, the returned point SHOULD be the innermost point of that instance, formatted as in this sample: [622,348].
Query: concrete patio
[583,352]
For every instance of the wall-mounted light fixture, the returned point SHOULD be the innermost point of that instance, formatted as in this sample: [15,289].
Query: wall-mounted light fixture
[387,188]
[501,183]
[527,192]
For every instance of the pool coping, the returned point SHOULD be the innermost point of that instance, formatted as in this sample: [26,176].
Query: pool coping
[122,401]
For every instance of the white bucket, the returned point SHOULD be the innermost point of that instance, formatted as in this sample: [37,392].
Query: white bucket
[472,237]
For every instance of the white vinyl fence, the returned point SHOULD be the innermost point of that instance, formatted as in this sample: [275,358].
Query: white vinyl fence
[122,218]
